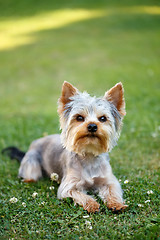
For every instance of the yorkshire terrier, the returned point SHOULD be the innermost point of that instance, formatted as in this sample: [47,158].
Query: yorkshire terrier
[90,129]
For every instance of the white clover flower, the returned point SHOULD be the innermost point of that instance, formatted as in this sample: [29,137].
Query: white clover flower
[147,201]
[126,181]
[140,205]
[154,134]
[87,216]
[51,188]
[150,192]
[115,217]
[13,200]
[45,134]
[34,194]
[132,130]
[23,204]
[54,177]
[88,224]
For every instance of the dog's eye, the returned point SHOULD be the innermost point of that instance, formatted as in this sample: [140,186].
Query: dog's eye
[80,118]
[102,119]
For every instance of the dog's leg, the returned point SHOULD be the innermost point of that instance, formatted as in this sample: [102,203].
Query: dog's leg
[87,202]
[68,188]
[111,194]
[30,168]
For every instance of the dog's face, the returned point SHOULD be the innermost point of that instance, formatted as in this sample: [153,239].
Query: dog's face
[90,125]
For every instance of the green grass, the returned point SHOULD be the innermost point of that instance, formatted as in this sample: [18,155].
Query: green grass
[93,45]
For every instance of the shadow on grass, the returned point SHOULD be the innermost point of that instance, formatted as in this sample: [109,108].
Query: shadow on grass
[18,8]
[28,19]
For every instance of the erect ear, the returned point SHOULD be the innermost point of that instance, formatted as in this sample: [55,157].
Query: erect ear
[68,91]
[116,96]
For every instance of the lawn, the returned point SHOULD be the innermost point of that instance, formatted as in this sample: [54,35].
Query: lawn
[93,45]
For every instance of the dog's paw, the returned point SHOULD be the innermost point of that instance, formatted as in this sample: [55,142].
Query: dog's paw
[116,207]
[92,206]
[28,180]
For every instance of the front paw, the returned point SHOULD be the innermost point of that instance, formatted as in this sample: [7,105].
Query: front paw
[92,206]
[116,207]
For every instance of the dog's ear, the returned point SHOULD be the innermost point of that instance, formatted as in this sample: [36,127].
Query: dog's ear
[68,91]
[116,96]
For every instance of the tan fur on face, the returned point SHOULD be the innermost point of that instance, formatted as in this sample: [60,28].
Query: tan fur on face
[84,142]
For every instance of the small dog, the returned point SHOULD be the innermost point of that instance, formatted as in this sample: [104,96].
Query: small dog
[90,129]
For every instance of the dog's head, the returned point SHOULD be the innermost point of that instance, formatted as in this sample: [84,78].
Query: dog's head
[90,125]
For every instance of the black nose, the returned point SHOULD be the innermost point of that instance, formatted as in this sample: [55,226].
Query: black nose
[92,127]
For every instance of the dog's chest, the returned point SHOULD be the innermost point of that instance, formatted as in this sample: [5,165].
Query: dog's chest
[92,171]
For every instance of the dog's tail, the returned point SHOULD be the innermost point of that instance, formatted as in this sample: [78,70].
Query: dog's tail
[13,153]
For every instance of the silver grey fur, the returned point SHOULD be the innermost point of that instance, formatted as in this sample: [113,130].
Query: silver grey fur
[51,156]
[78,173]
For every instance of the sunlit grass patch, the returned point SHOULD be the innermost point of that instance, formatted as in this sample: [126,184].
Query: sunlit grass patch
[18,32]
